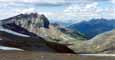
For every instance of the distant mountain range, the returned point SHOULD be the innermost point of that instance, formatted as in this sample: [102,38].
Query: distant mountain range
[93,27]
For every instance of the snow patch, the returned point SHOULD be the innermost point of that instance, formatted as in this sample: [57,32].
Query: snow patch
[97,54]
[12,32]
[9,48]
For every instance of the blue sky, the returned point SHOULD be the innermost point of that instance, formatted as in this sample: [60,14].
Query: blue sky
[60,10]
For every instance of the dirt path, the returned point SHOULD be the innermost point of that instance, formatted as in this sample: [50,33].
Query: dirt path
[16,55]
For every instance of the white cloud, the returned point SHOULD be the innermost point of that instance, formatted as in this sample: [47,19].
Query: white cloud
[77,10]
[16,11]
[35,1]
[80,2]
[83,12]
[54,15]
[109,13]
[78,13]
[26,10]
[19,0]
[113,1]
[92,5]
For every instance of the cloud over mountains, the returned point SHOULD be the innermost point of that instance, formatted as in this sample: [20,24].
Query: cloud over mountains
[63,10]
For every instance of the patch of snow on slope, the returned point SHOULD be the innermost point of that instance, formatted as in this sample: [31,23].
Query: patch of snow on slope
[12,32]
[9,48]
[97,54]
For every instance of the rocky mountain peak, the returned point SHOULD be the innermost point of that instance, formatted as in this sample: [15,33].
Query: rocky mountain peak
[25,22]
[28,20]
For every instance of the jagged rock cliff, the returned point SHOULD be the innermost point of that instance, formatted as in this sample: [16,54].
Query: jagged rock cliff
[28,21]
[25,22]
[36,26]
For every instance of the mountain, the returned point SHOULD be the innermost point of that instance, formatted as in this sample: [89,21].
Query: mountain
[36,29]
[93,27]
[37,24]
[34,32]
[102,43]
[19,31]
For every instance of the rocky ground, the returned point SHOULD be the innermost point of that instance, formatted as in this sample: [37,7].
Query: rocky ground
[26,55]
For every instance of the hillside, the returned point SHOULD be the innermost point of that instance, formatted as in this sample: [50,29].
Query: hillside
[102,43]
